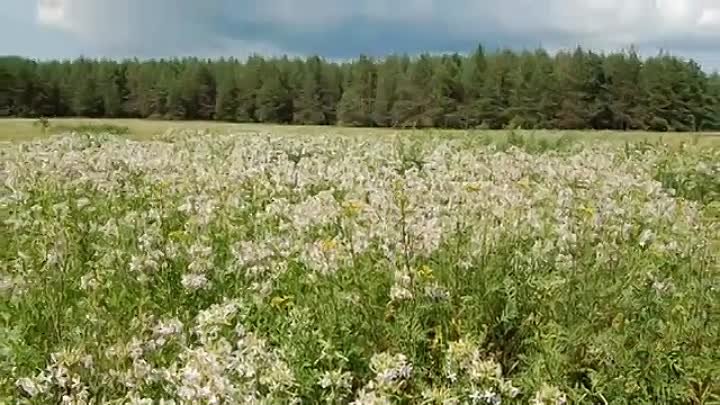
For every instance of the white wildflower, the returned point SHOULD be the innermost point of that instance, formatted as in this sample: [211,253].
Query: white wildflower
[368,397]
[7,283]
[82,202]
[165,330]
[89,282]
[194,281]
[29,386]
[437,292]
[646,238]
[399,294]
[390,370]
[487,396]
[336,380]
[549,395]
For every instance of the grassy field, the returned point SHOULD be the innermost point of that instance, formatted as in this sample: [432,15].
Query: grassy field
[27,129]
[240,264]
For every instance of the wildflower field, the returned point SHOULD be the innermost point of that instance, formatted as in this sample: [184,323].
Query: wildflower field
[197,268]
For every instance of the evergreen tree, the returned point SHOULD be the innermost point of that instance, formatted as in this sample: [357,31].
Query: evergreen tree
[274,102]
[624,71]
[46,100]
[658,83]
[309,107]
[473,73]
[7,82]
[27,96]
[226,102]
[249,83]
[176,106]
[573,75]
[697,96]
[570,90]
[356,105]
[712,121]
[598,97]
[388,75]
[110,91]
[198,91]
[86,99]
[158,95]
[142,81]
[493,103]
[413,107]
[446,92]
[330,91]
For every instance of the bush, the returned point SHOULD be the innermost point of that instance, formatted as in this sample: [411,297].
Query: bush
[108,129]
[659,124]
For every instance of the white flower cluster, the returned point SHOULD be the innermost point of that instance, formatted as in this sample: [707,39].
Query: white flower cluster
[474,378]
[62,378]
[227,219]
[392,372]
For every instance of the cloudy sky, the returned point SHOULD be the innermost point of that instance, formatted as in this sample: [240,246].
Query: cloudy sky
[346,28]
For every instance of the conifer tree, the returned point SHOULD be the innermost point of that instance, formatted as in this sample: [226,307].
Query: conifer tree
[388,76]
[356,105]
[226,102]
[309,107]
[576,89]
[274,102]
[109,89]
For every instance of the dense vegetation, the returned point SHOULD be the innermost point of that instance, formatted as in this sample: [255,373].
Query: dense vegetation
[569,90]
[209,269]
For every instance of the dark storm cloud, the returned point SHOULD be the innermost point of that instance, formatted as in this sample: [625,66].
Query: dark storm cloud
[346,28]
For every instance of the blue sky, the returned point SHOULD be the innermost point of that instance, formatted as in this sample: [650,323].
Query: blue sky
[346,28]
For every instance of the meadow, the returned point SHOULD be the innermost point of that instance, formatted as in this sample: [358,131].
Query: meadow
[237,264]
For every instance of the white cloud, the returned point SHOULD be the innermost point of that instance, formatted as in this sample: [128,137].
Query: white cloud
[53,12]
[710,18]
[147,27]
[119,23]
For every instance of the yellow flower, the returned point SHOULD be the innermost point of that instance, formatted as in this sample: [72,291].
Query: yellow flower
[281,302]
[425,272]
[354,207]
[328,245]
[437,338]
[588,211]
[472,187]
[524,182]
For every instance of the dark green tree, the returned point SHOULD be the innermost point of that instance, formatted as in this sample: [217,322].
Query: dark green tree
[624,72]
[446,92]
[389,73]
[414,106]
[573,76]
[493,103]
[249,82]
[473,74]
[7,82]
[309,106]
[274,101]
[109,87]
[570,90]
[87,99]
[356,105]
[226,99]
[330,91]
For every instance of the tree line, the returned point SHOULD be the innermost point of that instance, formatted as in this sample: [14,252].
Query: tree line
[576,89]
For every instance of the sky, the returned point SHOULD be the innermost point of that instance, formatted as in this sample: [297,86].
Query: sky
[340,29]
